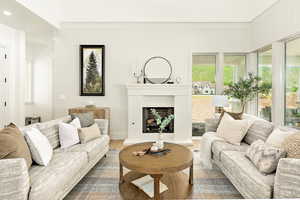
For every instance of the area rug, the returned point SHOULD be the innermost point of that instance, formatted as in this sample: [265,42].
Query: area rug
[102,182]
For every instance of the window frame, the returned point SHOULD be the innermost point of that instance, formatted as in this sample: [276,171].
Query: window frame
[236,54]
[266,48]
[285,78]
[217,64]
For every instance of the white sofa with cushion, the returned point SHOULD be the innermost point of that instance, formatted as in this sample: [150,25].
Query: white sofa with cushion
[66,168]
[284,183]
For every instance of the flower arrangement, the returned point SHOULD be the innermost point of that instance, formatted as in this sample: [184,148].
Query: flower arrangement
[162,123]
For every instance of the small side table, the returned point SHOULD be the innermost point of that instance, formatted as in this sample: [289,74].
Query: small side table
[32,120]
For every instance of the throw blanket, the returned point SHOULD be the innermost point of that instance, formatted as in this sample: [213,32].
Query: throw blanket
[206,151]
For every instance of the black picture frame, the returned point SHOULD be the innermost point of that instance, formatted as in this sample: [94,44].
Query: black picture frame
[97,87]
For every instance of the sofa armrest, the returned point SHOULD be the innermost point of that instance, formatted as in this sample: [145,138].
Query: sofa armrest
[211,125]
[287,179]
[14,179]
[103,125]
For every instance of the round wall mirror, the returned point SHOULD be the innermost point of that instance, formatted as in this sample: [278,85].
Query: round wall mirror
[157,70]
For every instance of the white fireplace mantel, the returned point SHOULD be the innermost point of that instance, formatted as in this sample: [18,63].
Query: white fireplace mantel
[160,95]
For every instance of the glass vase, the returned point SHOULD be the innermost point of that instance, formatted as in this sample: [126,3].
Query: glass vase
[159,142]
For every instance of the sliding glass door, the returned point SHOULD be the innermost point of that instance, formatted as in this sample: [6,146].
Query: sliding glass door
[234,68]
[265,72]
[292,84]
[204,87]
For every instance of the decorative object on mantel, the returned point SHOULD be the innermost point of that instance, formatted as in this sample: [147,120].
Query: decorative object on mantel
[220,101]
[178,79]
[247,89]
[157,70]
[92,70]
[138,76]
[162,123]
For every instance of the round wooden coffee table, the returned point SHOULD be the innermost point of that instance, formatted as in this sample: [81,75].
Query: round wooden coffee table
[167,169]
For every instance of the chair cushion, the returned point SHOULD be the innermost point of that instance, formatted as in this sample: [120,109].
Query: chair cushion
[219,146]
[259,130]
[245,177]
[49,182]
[92,148]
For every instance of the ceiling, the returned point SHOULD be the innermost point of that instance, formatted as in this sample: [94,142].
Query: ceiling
[163,10]
[35,27]
[42,18]
[57,11]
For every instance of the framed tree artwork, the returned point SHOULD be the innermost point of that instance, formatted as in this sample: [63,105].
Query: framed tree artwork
[92,65]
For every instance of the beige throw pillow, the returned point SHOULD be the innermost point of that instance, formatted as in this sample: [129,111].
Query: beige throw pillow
[13,144]
[291,145]
[89,133]
[233,131]
[278,136]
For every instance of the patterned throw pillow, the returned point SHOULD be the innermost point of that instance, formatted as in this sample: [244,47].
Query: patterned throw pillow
[291,145]
[264,157]
[86,119]
[259,130]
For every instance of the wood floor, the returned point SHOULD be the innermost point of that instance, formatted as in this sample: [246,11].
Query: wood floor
[118,144]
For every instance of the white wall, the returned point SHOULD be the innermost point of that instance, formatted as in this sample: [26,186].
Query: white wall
[277,23]
[128,45]
[14,41]
[41,57]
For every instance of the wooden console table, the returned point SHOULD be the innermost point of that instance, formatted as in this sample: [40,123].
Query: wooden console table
[99,112]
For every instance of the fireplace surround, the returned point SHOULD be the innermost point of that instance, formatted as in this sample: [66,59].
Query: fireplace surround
[177,96]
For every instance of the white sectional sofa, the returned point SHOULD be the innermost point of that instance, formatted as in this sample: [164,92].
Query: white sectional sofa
[67,167]
[284,183]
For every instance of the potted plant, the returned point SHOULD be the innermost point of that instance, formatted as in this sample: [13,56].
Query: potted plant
[247,89]
[162,123]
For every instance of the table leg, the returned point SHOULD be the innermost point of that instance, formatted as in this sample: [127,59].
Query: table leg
[156,178]
[191,174]
[121,174]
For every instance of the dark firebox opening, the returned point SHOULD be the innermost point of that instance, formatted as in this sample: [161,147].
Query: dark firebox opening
[149,123]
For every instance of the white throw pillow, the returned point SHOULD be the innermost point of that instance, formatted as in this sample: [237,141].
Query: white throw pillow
[39,145]
[233,131]
[76,122]
[277,137]
[68,133]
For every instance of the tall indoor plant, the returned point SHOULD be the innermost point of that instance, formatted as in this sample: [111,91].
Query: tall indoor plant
[247,89]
